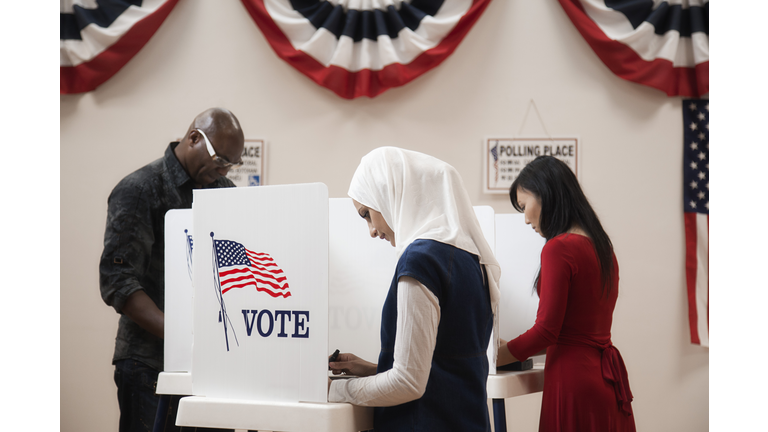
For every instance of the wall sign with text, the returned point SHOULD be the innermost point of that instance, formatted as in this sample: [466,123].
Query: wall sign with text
[253,170]
[504,158]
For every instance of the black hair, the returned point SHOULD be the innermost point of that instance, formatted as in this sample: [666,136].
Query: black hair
[563,205]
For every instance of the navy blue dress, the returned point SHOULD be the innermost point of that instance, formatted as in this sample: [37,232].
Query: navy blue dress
[455,398]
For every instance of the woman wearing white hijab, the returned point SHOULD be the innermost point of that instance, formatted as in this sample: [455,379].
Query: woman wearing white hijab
[441,307]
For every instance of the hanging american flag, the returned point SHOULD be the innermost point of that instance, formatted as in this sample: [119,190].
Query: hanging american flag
[363,48]
[661,44]
[100,37]
[696,215]
[240,267]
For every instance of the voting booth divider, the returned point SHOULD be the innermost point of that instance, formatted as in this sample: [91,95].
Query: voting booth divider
[177,351]
[518,249]
[263,283]
[260,307]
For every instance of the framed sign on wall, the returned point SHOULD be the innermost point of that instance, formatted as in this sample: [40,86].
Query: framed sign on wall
[504,158]
[253,170]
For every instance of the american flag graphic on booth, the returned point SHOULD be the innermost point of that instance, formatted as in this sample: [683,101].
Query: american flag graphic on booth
[240,267]
[189,254]
[696,215]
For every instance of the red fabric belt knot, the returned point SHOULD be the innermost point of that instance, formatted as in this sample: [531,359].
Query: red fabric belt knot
[616,373]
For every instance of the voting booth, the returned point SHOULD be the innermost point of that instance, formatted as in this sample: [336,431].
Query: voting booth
[247,309]
[262,284]
[260,307]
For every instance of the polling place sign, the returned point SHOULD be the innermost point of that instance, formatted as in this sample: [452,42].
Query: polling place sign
[504,158]
[260,309]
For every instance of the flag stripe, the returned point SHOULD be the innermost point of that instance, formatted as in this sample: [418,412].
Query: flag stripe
[258,288]
[691,259]
[246,282]
[229,274]
[265,262]
[261,256]
[268,270]
[250,274]
[263,266]
[702,278]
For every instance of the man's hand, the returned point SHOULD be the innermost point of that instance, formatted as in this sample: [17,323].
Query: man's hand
[144,312]
[351,364]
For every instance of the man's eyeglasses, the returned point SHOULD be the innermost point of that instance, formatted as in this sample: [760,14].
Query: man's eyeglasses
[220,161]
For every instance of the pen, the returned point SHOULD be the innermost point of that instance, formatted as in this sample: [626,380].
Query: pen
[334,356]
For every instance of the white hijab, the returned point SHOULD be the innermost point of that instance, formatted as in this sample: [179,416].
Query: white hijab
[421,197]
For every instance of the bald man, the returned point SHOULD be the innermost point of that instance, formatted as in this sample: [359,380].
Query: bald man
[131,270]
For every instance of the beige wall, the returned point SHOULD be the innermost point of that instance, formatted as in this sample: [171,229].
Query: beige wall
[212,54]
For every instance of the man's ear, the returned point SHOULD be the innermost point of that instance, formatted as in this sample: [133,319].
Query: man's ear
[193,137]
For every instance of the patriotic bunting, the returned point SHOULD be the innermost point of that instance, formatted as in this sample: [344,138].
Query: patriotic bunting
[98,37]
[696,215]
[364,47]
[661,44]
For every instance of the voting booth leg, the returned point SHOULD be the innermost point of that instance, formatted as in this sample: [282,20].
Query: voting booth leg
[499,416]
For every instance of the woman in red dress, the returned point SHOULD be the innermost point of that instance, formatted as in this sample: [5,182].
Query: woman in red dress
[585,382]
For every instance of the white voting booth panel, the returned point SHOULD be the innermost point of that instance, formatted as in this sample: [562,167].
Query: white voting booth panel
[486,217]
[177,378]
[178,291]
[518,250]
[260,308]
[359,275]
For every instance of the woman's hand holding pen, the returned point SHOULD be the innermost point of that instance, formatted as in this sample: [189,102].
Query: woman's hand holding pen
[351,364]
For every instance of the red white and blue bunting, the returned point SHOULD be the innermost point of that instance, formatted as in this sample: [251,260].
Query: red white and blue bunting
[98,37]
[364,47]
[661,44]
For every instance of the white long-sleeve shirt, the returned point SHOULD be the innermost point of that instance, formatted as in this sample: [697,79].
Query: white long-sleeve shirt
[418,315]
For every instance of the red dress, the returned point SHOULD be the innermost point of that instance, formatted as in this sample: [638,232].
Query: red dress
[585,382]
